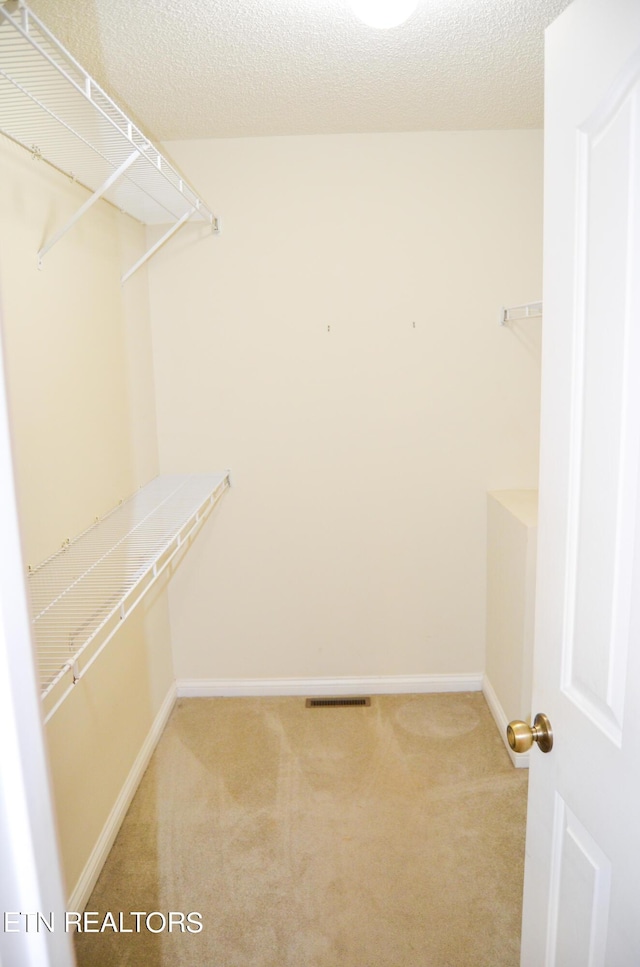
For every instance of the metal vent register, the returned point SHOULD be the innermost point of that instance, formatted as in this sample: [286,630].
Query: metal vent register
[356,701]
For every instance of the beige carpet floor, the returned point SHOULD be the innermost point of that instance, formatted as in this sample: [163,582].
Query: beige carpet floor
[388,836]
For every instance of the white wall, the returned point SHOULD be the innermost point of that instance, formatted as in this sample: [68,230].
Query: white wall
[30,875]
[81,402]
[337,346]
[512,519]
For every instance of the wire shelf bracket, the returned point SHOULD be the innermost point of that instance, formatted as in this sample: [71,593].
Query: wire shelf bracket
[87,205]
[81,595]
[154,248]
[529,310]
[52,107]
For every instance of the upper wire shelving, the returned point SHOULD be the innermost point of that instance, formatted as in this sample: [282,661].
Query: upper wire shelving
[55,109]
[81,595]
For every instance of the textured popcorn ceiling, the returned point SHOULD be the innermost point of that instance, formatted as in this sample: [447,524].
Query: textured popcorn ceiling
[234,68]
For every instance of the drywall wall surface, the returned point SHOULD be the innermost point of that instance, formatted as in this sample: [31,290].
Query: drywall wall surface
[338,347]
[71,377]
[79,372]
[512,518]
[98,732]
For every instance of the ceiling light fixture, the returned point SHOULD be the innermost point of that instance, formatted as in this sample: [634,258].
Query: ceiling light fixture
[383,13]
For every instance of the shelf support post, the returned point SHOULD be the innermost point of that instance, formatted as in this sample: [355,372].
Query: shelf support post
[154,248]
[113,177]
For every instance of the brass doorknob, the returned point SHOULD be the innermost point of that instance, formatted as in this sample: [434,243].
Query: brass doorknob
[522,736]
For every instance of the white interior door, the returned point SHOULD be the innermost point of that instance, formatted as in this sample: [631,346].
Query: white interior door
[582,876]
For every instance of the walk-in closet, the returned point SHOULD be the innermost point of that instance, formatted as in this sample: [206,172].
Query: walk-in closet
[271,290]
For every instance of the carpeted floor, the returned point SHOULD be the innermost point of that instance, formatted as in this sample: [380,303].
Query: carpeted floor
[388,836]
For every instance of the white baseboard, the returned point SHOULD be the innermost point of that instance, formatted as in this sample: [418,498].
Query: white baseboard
[88,878]
[520,759]
[371,685]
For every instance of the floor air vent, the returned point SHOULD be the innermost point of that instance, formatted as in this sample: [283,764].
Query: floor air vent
[337,702]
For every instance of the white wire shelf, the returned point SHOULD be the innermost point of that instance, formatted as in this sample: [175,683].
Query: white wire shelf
[51,106]
[529,310]
[81,595]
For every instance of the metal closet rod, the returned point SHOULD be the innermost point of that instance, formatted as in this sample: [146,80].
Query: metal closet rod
[528,310]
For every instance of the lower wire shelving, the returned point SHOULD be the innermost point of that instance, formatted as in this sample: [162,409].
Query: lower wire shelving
[81,595]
